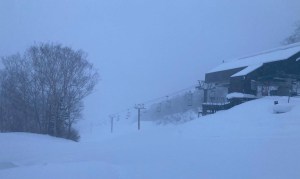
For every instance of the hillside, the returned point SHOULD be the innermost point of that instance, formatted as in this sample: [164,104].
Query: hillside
[247,141]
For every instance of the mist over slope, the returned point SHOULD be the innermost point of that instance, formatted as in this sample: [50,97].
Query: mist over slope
[146,49]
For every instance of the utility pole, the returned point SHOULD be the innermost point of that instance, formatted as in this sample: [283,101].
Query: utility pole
[112,123]
[139,107]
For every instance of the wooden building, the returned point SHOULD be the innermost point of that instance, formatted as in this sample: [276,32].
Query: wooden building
[273,72]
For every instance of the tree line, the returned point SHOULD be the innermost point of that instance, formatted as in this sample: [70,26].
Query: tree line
[42,90]
[294,37]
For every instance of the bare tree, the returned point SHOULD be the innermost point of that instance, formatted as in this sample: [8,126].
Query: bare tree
[15,93]
[47,86]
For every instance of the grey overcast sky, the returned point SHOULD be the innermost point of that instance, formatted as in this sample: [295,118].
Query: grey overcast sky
[147,48]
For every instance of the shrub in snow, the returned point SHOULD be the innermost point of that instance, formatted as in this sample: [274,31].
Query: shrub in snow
[73,135]
[172,109]
[177,118]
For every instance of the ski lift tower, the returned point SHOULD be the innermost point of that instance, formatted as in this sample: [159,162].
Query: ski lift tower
[205,87]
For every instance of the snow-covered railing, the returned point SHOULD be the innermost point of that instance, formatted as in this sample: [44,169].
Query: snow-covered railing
[240,95]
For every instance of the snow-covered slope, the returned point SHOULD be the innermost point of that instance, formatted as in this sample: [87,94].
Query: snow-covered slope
[247,141]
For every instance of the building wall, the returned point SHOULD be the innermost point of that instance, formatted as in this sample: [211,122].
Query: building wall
[241,84]
[275,78]
[221,76]
[278,68]
[261,80]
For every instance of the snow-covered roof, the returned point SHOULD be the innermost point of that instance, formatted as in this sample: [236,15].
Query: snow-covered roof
[247,70]
[277,54]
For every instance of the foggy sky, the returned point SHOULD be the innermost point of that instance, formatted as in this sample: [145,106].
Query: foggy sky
[147,48]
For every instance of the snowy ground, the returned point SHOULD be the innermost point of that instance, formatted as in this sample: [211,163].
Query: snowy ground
[248,141]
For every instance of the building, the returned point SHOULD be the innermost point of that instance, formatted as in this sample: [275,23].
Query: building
[273,72]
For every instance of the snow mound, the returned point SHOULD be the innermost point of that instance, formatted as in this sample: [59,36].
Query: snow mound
[282,108]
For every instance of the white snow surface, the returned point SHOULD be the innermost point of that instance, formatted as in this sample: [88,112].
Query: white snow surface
[281,53]
[239,95]
[248,141]
[247,70]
